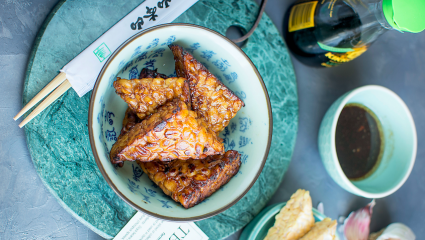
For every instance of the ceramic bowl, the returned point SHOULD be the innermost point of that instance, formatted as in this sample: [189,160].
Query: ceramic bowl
[249,132]
[258,228]
[398,134]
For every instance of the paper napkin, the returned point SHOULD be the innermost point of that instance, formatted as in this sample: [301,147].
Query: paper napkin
[143,227]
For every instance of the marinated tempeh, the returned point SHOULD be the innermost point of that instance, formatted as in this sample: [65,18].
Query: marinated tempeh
[173,132]
[147,73]
[145,95]
[202,177]
[129,121]
[190,182]
[211,99]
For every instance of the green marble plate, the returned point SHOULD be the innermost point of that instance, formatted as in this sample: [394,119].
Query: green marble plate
[58,138]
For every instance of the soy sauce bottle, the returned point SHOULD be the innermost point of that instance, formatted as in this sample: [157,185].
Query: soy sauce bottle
[327,33]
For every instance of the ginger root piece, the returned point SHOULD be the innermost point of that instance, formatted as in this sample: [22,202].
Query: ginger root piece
[145,95]
[190,182]
[295,219]
[211,99]
[173,132]
[323,230]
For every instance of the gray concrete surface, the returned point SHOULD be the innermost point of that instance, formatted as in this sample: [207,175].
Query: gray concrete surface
[396,61]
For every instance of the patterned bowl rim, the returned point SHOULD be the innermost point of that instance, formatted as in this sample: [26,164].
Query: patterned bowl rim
[92,141]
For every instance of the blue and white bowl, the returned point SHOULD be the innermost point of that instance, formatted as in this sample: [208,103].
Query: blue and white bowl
[249,132]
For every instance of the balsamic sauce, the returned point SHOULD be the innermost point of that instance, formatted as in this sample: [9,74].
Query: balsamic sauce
[358,141]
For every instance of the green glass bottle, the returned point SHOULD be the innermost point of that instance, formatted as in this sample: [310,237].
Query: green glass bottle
[327,33]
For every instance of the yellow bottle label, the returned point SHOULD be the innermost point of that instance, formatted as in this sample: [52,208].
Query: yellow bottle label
[302,16]
[338,58]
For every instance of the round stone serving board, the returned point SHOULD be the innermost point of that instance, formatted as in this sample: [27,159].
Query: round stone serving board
[58,138]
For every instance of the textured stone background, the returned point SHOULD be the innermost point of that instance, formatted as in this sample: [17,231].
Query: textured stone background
[28,210]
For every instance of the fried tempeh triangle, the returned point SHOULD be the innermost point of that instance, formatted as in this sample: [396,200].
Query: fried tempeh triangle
[295,219]
[190,182]
[179,178]
[145,95]
[211,99]
[173,132]
[131,118]
[129,121]
[324,230]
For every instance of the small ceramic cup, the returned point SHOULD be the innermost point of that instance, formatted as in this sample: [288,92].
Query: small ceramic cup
[400,142]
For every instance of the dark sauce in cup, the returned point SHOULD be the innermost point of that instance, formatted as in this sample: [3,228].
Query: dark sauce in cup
[359,141]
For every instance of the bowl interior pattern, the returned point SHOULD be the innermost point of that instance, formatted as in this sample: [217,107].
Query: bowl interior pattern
[248,132]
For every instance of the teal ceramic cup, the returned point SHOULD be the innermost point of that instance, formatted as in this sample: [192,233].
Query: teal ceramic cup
[399,135]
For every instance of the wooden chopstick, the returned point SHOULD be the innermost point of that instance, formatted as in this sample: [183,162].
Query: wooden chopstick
[60,78]
[51,98]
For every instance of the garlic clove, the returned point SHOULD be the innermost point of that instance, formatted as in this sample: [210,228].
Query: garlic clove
[356,226]
[397,231]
